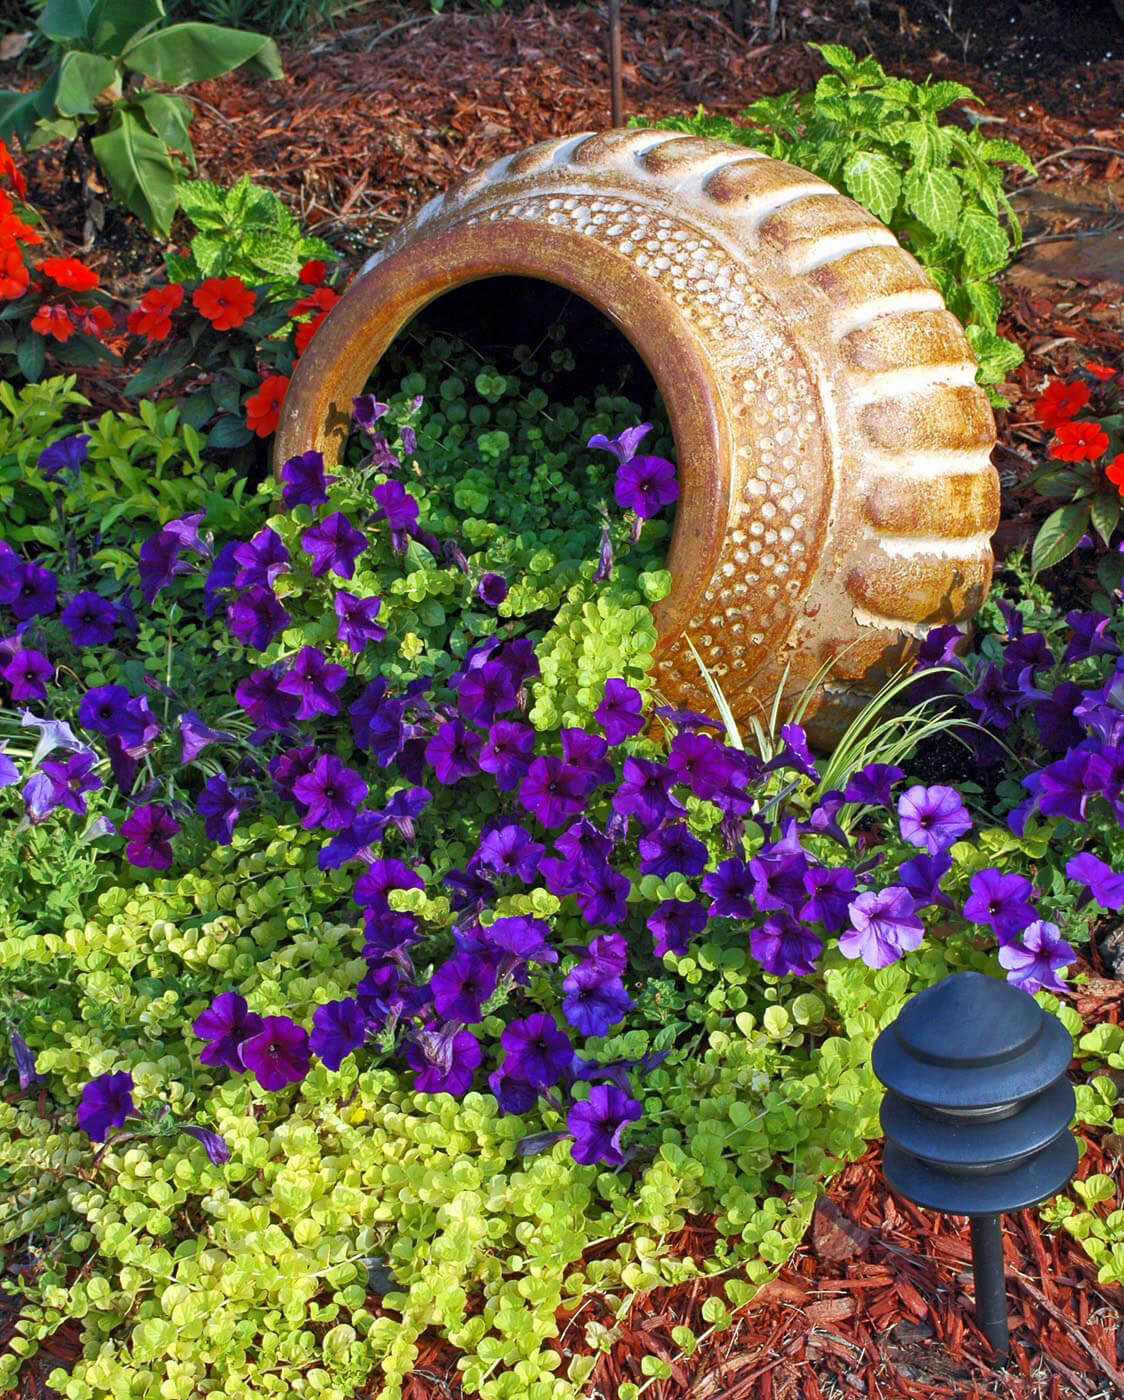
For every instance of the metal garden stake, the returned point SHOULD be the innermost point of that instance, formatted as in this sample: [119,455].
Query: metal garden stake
[976,1115]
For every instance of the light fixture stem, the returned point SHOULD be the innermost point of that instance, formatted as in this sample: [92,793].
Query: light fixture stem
[991,1284]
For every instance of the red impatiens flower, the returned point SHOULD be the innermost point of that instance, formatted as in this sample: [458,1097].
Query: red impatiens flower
[264,408]
[314,271]
[322,299]
[75,276]
[8,168]
[1115,472]
[14,276]
[1061,401]
[93,320]
[153,317]
[1102,372]
[1078,442]
[305,331]
[53,321]
[12,227]
[224,301]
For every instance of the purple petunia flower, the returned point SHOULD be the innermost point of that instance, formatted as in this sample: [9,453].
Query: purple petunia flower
[9,773]
[357,625]
[1034,962]
[1001,901]
[261,560]
[25,1062]
[443,1060]
[220,577]
[399,509]
[873,784]
[485,692]
[553,790]
[492,590]
[382,876]
[40,797]
[1103,883]
[148,832]
[922,877]
[932,818]
[673,923]
[106,1102]
[314,680]
[604,569]
[213,1144]
[624,445]
[461,986]
[784,947]
[225,1024]
[160,558]
[71,778]
[602,895]
[366,410]
[520,939]
[68,452]
[220,806]
[90,619]
[830,892]
[261,696]
[26,673]
[645,792]
[511,1096]
[278,1054]
[701,764]
[334,544]
[331,792]
[591,1002]
[304,481]
[506,753]
[256,616]
[195,736]
[453,752]
[1064,787]
[621,711]
[584,845]
[669,849]
[730,886]
[586,752]
[338,1028]
[110,709]
[509,850]
[1058,726]
[34,593]
[778,873]
[598,1122]
[645,485]
[538,1053]
[994,699]
[883,927]
[1088,637]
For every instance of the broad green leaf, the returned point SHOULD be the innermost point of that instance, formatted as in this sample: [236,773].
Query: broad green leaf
[995,354]
[933,196]
[160,369]
[169,117]
[139,171]
[229,432]
[64,20]
[873,179]
[1007,153]
[985,244]
[19,112]
[54,129]
[114,23]
[82,78]
[188,53]
[1105,515]
[836,56]
[203,203]
[211,252]
[31,356]
[935,96]
[1058,536]
[985,300]
[81,350]
[926,144]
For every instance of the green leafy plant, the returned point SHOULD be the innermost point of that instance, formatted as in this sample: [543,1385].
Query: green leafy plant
[244,231]
[267,16]
[97,92]
[939,188]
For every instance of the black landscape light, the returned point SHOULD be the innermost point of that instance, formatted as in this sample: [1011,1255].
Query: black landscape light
[977,1114]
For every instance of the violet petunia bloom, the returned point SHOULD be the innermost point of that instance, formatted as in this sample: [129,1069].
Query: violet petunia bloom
[510,1095]
[1103,884]
[671,848]
[932,818]
[597,1124]
[830,891]
[109,709]
[645,485]
[256,616]
[486,692]
[314,680]
[261,696]
[25,1062]
[873,784]
[220,806]
[1034,962]
[506,753]
[220,577]
[40,797]
[195,736]
[453,752]
[332,793]
[994,699]
[553,790]
[784,947]
[334,544]
[9,773]
[366,411]
[1064,787]
[67,453]
[214,1145]
[701,764]
[608,953]
[278,1054]
[621,711]
[591,1002]
[261,560]
[586,752]
[148,832]
[338,1028]
[602,896]
[35,592]
[922,877]
[883,927]
[520,940]
[400,511]
[537,1052]
[106,1102]
[443,1060]
[225,1024]
[1001,901]
[778,873]
[1058,726]
[604,569]
[304,482]
[673,923]
[730,886]
[509,850]
[584,845]
[90,619]
[382,876]
[357,625]
[160,558]
[53,734]
[27,673]
[1088,637]
[645,793]
[624,445]
[492,590]
[461,986]
[71,779]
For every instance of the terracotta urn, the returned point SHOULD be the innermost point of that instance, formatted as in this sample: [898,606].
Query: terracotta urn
[836,492]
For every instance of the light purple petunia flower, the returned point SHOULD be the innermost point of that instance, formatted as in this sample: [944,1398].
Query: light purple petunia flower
[334,544]
[1034,962]
[357,625]
[932,818]
[195,736]
[645,485]
[278,1054]
[883,927]
[624,445]
[1104,884]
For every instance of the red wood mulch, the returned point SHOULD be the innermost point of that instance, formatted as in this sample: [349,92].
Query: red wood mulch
[374,117]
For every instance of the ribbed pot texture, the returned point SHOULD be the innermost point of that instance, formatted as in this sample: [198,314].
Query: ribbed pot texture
[836,491]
